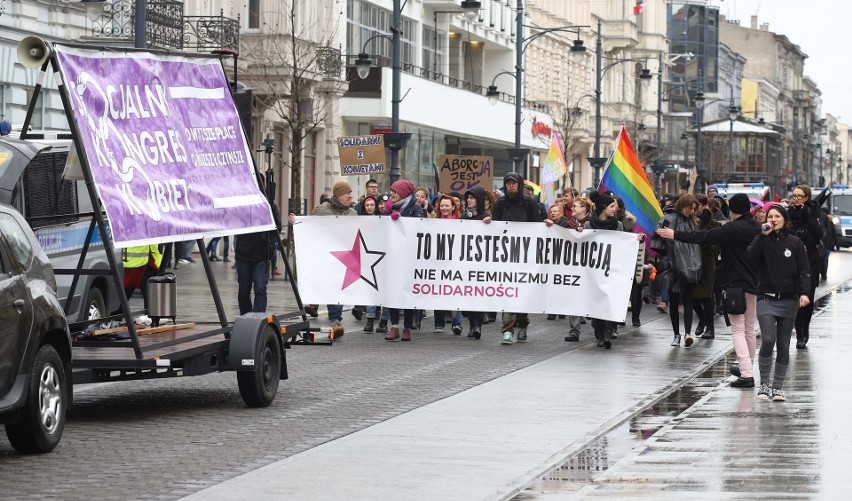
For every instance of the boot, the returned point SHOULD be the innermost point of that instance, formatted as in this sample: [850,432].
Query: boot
[551,317]
[336,329]
[710,333]
[406,334]
[383,326]
[393,335]
[357,312]
[312,310]
[608,335]
[369,326]
[700,329]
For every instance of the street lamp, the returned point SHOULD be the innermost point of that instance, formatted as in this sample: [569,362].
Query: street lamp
[596,161]
[396,140]
[699,166]
[733,114]
[518,154]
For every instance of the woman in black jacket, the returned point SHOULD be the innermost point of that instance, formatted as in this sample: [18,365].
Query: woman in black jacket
[474,199]
[783,286]
[681,282]
[804,218]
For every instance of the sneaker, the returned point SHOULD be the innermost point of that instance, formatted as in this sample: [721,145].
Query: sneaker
[522,335]
[215,258]
[600,343]
[368,327]
[572,337]
[184,261]
[676,340]
[778,395]
[765,392]
[336,329]
[477,334]
[226,260]
[688,340]
[457,330]
[743,382]
[662,308]
[438,329]
[507,338]
[383,326]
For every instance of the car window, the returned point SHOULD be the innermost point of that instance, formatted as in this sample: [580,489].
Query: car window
[17,240]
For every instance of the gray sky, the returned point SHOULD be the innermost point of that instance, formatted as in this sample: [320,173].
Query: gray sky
[821,28]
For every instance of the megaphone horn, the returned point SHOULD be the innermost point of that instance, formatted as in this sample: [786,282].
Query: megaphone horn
[33,52]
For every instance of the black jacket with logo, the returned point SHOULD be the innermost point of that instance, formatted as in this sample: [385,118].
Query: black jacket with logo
[782,265]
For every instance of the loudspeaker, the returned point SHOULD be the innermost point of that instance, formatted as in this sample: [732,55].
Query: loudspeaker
[33,52]
[243,102]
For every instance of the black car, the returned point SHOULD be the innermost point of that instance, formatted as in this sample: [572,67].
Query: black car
[35,345]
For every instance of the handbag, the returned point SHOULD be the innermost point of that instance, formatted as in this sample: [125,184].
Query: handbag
[733,300]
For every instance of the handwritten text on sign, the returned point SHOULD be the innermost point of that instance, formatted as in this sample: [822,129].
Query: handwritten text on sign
[462,172]
[361,155]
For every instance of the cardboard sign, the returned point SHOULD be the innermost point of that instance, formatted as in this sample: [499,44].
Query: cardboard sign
[462,172]
[361,155]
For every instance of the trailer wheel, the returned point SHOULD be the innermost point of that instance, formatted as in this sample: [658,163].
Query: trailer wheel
[43,416]
[259,386]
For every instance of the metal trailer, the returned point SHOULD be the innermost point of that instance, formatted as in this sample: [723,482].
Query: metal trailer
[253,345]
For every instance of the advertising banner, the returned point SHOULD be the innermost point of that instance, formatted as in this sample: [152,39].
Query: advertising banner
[439,264]
[462,172]
[361,155]
[165,146]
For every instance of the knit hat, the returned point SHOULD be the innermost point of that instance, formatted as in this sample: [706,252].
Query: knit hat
[739,204]
[341,188]
[403,188]
[601,201]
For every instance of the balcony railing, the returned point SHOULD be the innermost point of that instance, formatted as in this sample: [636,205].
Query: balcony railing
[450,81]
[167,27]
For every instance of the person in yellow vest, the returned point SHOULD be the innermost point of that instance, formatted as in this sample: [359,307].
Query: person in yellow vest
[140,263]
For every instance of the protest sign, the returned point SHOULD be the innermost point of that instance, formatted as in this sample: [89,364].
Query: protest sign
[164,144]
[361,155]
[437,264]
[462,172]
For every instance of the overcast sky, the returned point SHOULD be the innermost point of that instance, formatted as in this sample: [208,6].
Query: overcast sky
[821,28]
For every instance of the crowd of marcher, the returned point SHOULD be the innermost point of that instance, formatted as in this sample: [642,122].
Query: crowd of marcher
[752,263]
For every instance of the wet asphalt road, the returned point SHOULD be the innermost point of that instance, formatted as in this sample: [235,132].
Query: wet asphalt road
[168,438]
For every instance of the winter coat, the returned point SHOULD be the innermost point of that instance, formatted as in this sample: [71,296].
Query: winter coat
[806,225]
[709,255]
[332,207]
[782,265]
[733,238]
[677,222]
[516,207]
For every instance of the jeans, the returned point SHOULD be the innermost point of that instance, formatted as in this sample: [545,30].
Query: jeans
[371,311]
[512,320]
[574,324]
[441,317]
[335,312]
[251,274]
[213,244]
[186,249]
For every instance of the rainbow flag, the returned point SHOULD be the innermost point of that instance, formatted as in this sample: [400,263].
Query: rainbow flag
[625,177]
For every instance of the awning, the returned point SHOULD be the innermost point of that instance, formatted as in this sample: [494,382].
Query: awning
[739,128]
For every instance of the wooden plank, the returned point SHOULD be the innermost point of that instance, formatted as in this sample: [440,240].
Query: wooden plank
[140,330]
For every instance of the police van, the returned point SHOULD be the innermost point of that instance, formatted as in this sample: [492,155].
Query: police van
[839,205]
[757,191]
[32,180]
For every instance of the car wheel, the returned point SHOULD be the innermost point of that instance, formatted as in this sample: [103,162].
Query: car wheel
[259,386]
[95,305]
[43,416]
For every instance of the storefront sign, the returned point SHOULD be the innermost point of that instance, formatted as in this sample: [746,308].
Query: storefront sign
[361,155]
[165,145]
[440,264]
[462,172]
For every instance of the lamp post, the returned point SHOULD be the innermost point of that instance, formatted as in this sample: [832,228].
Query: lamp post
[657,167]
[733,114]
[596,161]
[396,140]
[516,153]
[830,167]
[699,167]
[821,176]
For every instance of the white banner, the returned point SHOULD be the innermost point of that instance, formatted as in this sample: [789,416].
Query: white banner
[436,264]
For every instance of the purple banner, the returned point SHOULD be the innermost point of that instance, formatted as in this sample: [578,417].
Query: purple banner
[165,146]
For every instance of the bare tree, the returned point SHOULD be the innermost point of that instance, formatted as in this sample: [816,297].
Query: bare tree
[286,64]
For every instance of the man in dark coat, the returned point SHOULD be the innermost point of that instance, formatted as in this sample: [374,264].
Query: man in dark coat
[514,206]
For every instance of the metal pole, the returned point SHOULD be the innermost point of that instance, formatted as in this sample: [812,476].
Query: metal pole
[796,145]
[821,164]
[519,71]
[698,165]
[396,83]
[598,61]
[657,167]
[731,166]
[140,20]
